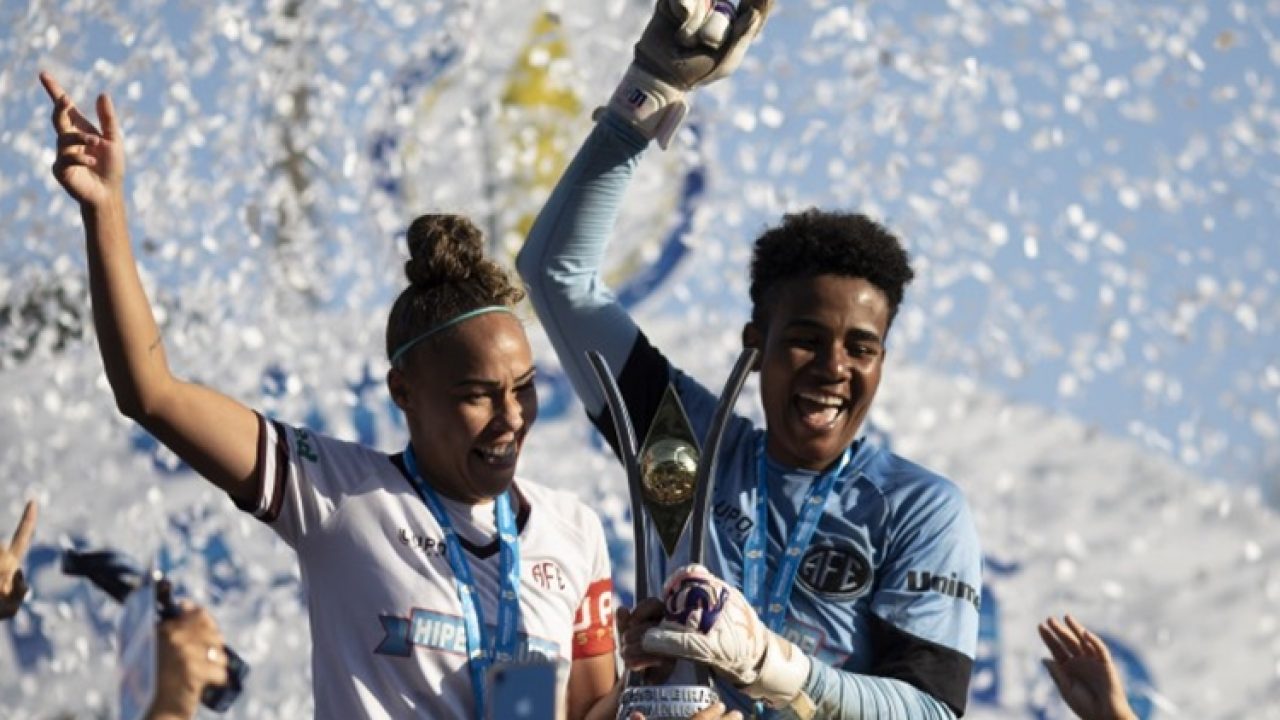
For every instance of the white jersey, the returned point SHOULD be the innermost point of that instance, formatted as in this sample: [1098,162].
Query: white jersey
[386,625]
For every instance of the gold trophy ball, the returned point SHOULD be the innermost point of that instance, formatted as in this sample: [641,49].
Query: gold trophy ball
[668,471]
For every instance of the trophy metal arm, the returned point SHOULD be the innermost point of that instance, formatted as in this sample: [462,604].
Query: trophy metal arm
[706,481]
[629,451]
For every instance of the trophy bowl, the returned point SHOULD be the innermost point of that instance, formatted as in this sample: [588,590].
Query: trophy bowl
[669,469]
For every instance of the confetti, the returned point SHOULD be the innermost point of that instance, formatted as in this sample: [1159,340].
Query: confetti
[1088,189]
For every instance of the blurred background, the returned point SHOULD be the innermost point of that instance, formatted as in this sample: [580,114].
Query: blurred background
[1089,190]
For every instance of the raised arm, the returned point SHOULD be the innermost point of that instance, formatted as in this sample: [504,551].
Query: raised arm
[561,261]
[214,434]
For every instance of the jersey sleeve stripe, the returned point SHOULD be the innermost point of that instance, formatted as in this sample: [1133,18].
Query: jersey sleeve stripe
[270,472]
[262,460]
[275,473]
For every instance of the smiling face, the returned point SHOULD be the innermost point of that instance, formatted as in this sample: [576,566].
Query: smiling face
[822,350]
[469,401]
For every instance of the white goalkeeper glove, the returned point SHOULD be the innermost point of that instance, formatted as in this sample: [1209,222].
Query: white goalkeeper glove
[671,59]
[709,622]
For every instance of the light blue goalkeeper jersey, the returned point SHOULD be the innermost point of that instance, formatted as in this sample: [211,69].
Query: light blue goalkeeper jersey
[887,596]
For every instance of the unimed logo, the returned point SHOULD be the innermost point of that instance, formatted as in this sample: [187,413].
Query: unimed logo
[924,581]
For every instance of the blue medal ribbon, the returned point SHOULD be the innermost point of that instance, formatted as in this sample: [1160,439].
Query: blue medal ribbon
[774,613]
[481,653]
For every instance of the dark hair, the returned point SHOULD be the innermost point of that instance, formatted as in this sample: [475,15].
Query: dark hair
[448,275]
[816,242]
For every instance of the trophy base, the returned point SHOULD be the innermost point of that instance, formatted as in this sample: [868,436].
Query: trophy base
[666,702]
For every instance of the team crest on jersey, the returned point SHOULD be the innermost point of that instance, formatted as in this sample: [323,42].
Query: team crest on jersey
[840,572]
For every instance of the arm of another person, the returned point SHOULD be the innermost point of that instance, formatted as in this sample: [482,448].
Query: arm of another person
[189,656]
[214,434]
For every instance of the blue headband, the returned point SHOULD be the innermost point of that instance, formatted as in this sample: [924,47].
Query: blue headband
[399,353]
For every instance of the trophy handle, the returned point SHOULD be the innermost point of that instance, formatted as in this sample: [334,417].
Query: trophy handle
[630,461]
[706,475]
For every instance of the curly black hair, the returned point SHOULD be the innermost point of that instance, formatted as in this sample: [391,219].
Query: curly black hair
[817,242]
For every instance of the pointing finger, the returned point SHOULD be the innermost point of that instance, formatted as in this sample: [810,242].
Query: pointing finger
[52,87]
[26,528]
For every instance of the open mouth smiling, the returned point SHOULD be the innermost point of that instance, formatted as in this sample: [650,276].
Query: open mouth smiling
[820,411]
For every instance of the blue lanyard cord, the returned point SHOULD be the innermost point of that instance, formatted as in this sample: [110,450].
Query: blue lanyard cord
[480,653]
[774,613]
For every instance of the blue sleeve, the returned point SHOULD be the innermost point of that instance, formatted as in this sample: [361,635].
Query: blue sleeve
[924,623]
[561,259]
[931,578]
[925,607]
[847,696]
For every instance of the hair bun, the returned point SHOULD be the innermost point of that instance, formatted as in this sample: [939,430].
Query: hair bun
[443,249]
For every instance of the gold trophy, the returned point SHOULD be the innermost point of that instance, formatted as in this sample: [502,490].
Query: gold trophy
[670,481]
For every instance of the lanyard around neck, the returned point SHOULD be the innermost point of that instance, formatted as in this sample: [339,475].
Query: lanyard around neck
[774,612]
[481,652]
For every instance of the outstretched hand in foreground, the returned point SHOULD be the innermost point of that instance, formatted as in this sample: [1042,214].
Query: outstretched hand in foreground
[1082,669]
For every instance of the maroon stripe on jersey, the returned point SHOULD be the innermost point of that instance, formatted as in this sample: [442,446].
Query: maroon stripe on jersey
[252,505]
[281,475]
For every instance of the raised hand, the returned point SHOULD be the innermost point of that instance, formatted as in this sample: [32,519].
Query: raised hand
[189,656]
[671,60]
[670,50]
[13,586]
[90,164]
[1082,669]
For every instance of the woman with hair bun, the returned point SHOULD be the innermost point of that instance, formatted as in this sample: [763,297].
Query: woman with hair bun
[422,569]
